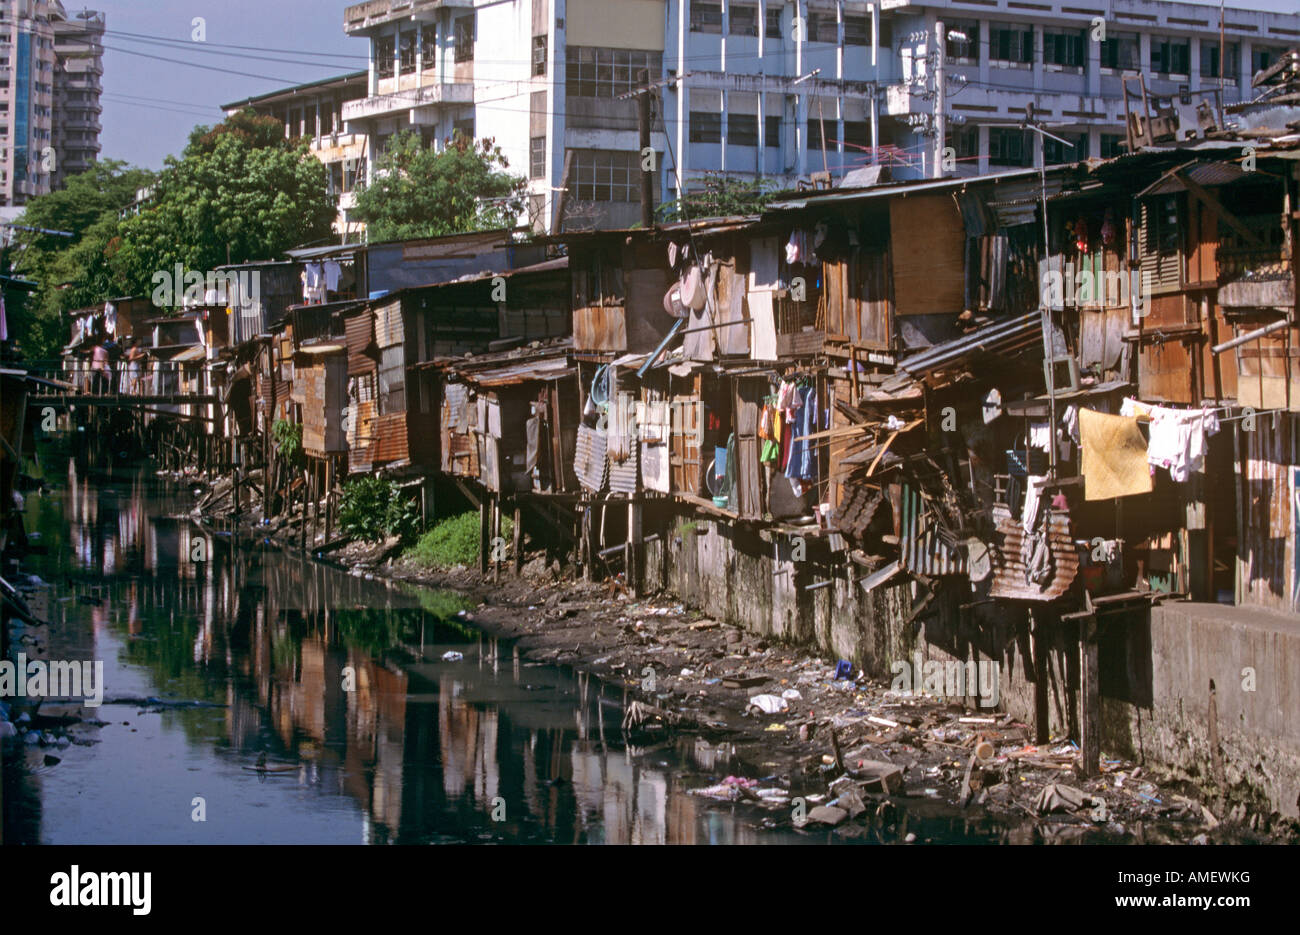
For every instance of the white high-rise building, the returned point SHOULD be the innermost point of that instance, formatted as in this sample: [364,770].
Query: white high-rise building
[782,90]
[50,68]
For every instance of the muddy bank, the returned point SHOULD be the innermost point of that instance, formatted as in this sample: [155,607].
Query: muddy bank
[852,748]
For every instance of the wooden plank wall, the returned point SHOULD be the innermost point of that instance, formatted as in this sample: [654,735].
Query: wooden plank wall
[1266,556]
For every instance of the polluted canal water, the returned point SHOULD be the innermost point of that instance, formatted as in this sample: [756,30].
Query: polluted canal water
[380,716]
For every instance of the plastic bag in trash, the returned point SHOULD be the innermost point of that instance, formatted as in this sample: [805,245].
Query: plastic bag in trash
[769,704]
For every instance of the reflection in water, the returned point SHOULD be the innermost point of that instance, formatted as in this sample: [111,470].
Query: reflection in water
[335,675]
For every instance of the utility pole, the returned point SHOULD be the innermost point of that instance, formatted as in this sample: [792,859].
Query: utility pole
[647,165]
[940,139]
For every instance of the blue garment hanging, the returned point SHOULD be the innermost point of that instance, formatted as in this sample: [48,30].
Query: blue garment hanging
[803,453]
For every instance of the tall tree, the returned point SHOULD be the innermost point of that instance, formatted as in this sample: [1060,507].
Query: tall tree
[72,271]
[421,192]
[239,192]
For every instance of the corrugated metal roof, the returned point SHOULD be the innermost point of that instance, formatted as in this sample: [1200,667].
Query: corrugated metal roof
[1202,173]
[334,250]
[197,352]
[989,338]
[837,196]
[554,368]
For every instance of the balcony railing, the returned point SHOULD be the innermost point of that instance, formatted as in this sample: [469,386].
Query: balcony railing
[429,95]
[361,16]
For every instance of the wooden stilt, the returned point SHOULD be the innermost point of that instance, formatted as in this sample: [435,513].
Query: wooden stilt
[633,553]
[484,533]
[1089,699]
[1042,730]
[329,497]
[496,537]
[518,544]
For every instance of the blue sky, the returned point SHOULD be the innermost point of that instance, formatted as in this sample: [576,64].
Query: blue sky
[183,95]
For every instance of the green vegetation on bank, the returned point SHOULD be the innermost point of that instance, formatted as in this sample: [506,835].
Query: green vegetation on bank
[453,541]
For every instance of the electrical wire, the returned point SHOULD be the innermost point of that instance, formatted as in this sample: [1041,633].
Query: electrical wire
[174,61]
[200,48]
[147,37]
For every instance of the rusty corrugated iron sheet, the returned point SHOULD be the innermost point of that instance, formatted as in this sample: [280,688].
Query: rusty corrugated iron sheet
[600,328]
[389,330]
[390,439]
[1009,571]
[359,336]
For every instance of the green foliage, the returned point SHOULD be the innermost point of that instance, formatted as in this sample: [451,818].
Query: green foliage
[721,197]
[73,272]
[453,541]
[288,442]
[422,192]
[445,605]
[372,509]
[371,630]
[239,192]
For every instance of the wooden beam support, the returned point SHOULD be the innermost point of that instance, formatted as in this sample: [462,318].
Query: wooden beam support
[1208,199]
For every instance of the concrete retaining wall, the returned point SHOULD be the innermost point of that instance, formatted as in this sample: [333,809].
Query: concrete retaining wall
[1156,666]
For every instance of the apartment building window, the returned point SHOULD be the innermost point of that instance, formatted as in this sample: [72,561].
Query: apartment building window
[822,27]
[963,42]
[464,128]
[814,134]
[1063,48]
[605,175]
[742,129]
[966,141]
[464,33]
[1011,43]
[1055,153]
[537,157]
[384,57]
[1263,57]
[706,126]
[772,132]
[1122,52]
[1171,56]
[1210,60]
[429,46]
[539,55]
[1007,147]
[593,72]
[406,53]
[772,22]
[857,30]
[857,136]
[1112,145]
[744,21]
[706,17]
